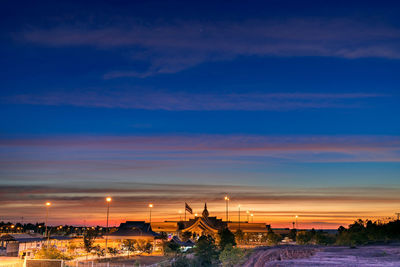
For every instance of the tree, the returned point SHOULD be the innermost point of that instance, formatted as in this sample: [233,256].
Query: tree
[129,244]
[303,237]
[88,240]
[143,246]
[292,234]
[226,237]
[230,256]
[206,251]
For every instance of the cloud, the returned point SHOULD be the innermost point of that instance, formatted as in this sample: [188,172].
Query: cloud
[173,47]
[278,205]
[209,148]
[181,101]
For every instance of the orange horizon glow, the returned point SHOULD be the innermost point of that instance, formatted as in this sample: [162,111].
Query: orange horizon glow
[316,215]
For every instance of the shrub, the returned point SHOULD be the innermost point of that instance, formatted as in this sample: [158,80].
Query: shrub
[51,253]
[230,256]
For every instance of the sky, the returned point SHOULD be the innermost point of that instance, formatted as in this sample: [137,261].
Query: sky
[289,107]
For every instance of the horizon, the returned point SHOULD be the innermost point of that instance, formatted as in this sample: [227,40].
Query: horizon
[290,108]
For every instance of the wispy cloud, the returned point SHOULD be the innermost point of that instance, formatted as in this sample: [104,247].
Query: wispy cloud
[180,101]
[173,47]
[208,147]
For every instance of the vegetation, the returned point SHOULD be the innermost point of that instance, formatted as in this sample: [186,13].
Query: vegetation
[273,238]
[140,246]
[292,234]
[363,232]
[206,251]
[51,253]
[129,245]
[112,251]
[359,233]
[143,246]
[226,237]
[99,251]
[88,240]
[172,248]
[230,256]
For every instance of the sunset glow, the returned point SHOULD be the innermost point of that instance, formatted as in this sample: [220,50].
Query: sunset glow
[286,112]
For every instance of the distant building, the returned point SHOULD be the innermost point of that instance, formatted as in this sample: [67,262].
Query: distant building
[24,245]
[200,225]
[134,230]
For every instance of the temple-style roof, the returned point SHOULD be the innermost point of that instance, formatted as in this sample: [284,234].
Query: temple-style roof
[205,211]
[211,224]
[133,229]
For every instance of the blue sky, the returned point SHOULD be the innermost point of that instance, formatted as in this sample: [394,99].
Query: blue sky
[292,95]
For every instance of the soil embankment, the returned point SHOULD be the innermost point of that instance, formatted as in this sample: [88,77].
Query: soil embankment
[301,256]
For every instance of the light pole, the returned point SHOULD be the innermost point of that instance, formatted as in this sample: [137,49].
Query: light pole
[180,215]
[226,207]
[248,214]
[239,215]
[48,204]
[297,226]
[108,200]
[150,207]
[252,217]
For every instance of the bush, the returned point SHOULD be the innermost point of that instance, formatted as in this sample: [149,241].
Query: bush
[112,251]
[230,256]
[51,253]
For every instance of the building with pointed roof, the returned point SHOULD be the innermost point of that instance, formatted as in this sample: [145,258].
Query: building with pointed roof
[199,225]
[134,230]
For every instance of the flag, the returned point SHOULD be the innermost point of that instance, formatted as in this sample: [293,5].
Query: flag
[188,209]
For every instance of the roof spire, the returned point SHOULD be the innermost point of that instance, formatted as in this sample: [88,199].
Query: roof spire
[205,211]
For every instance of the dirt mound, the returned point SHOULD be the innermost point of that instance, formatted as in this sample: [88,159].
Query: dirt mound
[266,256]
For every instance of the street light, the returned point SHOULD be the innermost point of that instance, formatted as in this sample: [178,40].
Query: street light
[150,207]
[252,217]
[297,226]
[226,205]
[108,200]
[48,204]
[248,214]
